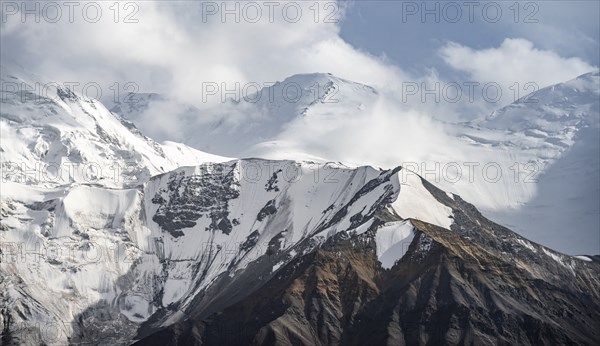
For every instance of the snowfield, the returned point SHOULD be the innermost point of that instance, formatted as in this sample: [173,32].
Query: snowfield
[100,220]
[160,245]
[532,165]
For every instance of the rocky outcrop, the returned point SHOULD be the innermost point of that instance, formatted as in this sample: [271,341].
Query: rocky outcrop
[478,283]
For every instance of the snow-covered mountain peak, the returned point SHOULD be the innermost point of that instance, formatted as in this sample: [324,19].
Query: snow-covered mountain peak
[319,90]
[572,103]
[318,86]
[197,239]
[182,234]
[306,80]
[130,258]
[255,118]
[52,135]
[549,140]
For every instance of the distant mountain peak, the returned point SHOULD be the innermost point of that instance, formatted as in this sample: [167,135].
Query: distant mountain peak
[179,242]
[568,102]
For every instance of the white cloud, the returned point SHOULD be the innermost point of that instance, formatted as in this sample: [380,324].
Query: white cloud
[514,61]
[383,135]
[174,47]
[172,50]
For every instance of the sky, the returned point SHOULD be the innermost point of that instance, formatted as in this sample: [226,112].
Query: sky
[568,28]
[173,47]
[476,56]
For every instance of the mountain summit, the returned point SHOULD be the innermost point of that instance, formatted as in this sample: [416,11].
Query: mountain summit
[199,249]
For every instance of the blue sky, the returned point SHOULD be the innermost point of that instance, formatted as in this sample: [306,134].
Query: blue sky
[395,29]
[174,46]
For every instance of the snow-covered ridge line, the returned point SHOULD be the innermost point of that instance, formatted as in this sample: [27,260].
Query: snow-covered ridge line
[54,136]
[191,224]
[161,244]
[507,164]
[165,244]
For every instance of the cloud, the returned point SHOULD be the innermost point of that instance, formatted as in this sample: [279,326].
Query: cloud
[380,135]
[514,61]
[174,47]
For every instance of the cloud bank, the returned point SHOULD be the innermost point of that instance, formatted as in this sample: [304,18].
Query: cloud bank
[175,46]
[514,61]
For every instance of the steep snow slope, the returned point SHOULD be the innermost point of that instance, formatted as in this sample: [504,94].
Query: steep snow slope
[141,257]
[260,117]
[52,136]
[403,281]
[552,112]
[503,164]
[558,130]
[128,258]
[129,262]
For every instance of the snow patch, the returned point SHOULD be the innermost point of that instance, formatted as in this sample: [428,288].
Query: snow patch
[393,240]
[277,266]
[415,201]
[560,260]
[527,244]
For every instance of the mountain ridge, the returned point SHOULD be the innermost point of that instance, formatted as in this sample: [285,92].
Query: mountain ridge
[192,243]
[330,311]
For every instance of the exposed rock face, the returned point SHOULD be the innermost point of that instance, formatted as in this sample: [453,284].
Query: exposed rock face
[478,283]
[132,261]
[186,199]
[217,257]
[256,251]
